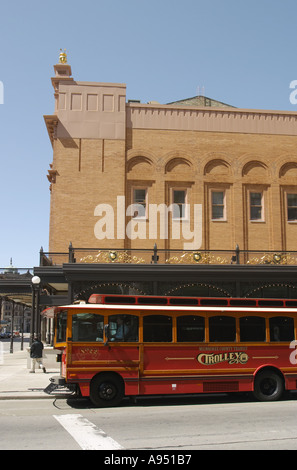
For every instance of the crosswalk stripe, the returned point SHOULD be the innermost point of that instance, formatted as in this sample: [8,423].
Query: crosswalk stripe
[86,434]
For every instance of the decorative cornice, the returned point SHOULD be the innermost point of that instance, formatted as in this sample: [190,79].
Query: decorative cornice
[172,117]
[52,175]
[51,123]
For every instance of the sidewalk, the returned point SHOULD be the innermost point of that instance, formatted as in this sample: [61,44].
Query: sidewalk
[16,382]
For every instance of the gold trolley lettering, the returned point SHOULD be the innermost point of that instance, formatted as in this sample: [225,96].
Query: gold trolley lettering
[230,357]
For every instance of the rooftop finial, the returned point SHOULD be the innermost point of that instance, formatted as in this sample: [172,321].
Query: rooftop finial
[63,57]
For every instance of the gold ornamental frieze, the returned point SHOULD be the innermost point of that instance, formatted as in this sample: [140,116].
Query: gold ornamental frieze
[274,259]
[112,256]
[196,257]
[193,257]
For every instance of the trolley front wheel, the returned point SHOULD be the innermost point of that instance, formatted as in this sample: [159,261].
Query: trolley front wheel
[106,390]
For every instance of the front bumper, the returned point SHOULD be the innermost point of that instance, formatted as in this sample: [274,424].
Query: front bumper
[58,380]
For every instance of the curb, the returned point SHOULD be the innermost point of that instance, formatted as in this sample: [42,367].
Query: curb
[30,396]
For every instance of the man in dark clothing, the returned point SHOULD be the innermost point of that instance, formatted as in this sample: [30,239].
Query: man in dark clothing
[36,355]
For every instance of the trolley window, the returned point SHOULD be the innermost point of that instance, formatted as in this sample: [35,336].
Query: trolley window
[87,327]
[281,328]
[157,328]
[252,328]
[123,328]
[222,328]
[190,328]
[61,326]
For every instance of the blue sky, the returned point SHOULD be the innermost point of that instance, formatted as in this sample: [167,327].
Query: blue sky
[242,53]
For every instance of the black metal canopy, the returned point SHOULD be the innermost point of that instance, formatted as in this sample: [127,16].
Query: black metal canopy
[70,279]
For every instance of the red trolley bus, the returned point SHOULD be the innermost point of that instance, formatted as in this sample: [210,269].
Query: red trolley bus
[116,346]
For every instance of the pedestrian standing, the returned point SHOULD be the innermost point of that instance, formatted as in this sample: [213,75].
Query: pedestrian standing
[36,352]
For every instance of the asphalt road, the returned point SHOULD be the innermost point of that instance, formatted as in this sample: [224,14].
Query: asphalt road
[169,424]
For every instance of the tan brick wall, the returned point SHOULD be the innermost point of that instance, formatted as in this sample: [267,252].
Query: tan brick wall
[232,162]
[94,171]
[89,172]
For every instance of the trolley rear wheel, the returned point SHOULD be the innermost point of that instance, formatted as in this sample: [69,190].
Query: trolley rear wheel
[269,386]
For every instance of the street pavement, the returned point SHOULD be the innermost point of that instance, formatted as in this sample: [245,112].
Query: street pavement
[170,423]
[16,381]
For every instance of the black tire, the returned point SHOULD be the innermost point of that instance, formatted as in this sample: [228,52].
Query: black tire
[268,386]
[106,390]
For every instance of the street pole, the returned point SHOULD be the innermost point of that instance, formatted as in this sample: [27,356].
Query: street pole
[32,322]
[35,321]
[12,327]
[22,326]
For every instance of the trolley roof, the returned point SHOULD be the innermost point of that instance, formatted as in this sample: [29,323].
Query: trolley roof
[145,304]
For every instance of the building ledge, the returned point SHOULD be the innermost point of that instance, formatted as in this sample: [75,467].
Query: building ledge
[51,122]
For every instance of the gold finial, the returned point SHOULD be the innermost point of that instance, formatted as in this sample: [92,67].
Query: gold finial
[63,57]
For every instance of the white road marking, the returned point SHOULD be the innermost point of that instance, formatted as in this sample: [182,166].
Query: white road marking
[86,434]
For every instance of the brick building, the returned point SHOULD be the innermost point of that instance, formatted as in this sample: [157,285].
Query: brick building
[238,166]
